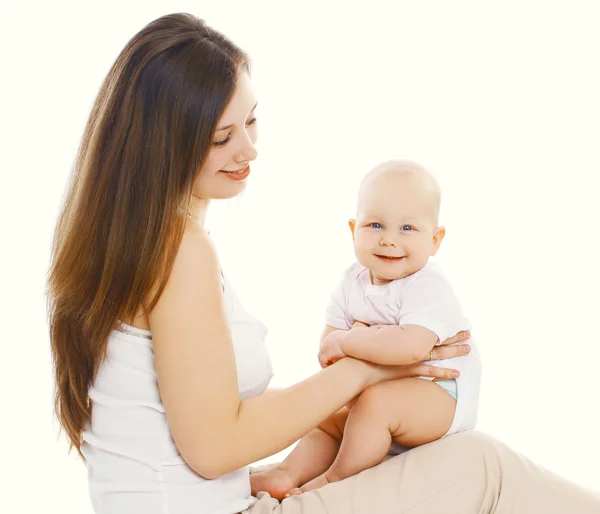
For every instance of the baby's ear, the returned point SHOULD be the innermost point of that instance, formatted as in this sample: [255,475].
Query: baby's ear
[438,235]
[352,224]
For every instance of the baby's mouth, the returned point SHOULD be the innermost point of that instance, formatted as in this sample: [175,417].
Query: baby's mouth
[388,258]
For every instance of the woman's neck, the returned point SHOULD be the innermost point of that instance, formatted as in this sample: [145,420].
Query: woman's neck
[198,208]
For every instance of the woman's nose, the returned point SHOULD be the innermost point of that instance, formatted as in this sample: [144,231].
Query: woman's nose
[247,152]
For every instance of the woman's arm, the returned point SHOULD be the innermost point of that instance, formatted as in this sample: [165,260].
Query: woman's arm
[215,432]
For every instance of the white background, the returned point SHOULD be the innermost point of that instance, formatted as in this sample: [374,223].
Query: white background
[499,99]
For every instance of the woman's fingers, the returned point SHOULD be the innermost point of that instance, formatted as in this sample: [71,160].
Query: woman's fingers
[461,336]
[444,351]
[437,373]
[447,352]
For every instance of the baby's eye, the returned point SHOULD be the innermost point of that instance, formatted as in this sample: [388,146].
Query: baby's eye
[407,228]
[375,225]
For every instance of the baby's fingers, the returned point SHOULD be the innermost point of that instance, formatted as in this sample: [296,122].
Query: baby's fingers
[322,360]
[325,359]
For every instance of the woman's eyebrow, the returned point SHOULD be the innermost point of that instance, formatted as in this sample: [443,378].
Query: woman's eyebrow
[229,126]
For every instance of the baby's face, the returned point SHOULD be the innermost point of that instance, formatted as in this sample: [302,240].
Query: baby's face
[395,231]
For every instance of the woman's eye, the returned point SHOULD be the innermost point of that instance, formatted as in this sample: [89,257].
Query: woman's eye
[225,141]
[407,228]
[222,143]
[375,225]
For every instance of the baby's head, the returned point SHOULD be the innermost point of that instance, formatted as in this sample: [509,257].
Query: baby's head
[396,227]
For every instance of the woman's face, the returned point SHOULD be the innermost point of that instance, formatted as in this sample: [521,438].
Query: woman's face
[227,167]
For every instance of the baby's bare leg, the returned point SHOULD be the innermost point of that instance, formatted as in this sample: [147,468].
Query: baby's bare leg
[409,412]
[312,456]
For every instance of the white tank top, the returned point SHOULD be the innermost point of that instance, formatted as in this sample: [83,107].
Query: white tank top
[133,463]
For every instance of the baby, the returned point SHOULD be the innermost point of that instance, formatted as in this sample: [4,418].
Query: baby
[392,307]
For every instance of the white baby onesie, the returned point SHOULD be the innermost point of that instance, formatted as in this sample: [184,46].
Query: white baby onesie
[424,298]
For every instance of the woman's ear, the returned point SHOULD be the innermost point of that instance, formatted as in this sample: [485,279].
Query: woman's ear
[438,235]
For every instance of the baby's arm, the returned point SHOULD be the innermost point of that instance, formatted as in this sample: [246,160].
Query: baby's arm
[328,352]
[429,313]
[326,331]
[329,346]
[389,344]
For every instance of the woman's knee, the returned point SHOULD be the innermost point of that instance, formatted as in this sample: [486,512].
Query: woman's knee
[479,448]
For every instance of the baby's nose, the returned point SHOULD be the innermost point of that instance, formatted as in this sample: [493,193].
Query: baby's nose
[387,241]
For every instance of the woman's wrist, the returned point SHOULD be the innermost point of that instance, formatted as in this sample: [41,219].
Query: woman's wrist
[370,372]
[363,371]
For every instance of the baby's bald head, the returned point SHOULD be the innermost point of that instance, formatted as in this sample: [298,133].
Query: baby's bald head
[401,181]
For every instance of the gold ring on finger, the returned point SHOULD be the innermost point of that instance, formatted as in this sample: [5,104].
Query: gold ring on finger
[431,354]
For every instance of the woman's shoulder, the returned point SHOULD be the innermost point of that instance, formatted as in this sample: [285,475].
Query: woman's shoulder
[195,251]
[196,239]
[196,255]
[195,273]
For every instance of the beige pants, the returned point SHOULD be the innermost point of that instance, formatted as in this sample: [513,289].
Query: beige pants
[466,473]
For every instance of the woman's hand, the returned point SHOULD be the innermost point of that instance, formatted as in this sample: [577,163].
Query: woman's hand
[440,352]
[444,351]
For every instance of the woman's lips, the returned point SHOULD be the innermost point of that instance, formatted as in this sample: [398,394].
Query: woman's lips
[237,175]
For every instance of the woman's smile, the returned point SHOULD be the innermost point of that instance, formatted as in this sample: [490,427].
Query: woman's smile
[237,175]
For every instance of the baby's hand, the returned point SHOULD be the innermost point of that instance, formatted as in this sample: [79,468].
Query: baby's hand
[330,351]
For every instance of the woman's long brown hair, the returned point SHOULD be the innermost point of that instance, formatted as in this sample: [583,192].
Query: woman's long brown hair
[147,137]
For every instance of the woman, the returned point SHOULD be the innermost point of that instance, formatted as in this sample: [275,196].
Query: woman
[161,375]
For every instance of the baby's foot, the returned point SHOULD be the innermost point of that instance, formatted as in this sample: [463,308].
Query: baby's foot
[315,483]
[294,492]
[276,482]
